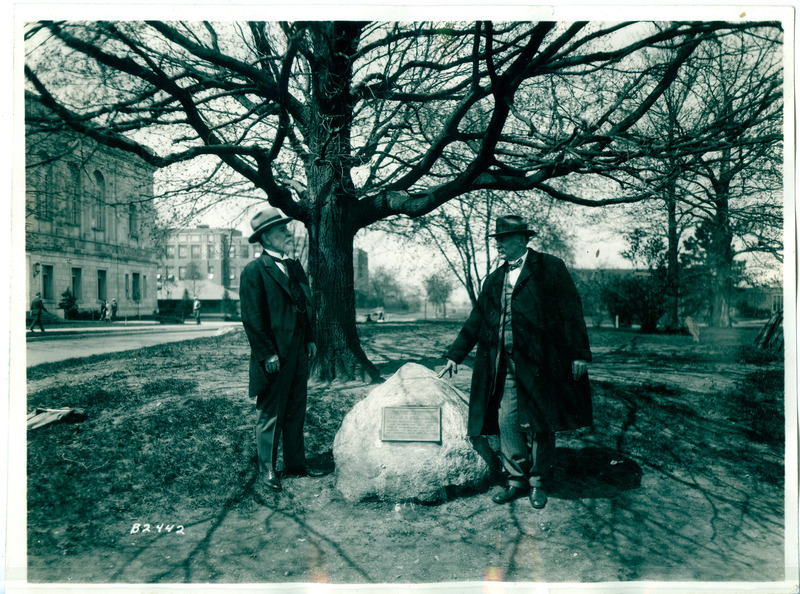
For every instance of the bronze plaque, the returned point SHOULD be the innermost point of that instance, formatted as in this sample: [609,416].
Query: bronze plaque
[412,423]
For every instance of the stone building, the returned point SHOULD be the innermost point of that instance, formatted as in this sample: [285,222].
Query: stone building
[89,220]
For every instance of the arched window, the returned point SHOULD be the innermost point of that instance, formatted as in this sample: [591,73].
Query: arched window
[45,197]
[99,206]
[74,196]
[133,220]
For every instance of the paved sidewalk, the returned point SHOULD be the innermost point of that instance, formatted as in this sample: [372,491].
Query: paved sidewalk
[57,345]
[122,328]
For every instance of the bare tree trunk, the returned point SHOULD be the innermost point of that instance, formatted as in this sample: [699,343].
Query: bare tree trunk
[340,355]
[722,245]
[672,321]
[331,226]
[330,258]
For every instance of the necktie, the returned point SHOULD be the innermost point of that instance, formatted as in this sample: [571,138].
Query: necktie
[514,265]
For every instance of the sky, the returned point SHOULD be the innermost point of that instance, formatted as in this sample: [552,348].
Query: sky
[597,245]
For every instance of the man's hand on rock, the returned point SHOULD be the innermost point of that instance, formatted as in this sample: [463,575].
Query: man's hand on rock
[450,368]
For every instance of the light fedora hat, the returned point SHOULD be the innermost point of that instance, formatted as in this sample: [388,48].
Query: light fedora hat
[511,225]
[265,220]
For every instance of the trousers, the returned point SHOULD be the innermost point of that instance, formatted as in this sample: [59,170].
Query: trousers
[281,411]
[526,456]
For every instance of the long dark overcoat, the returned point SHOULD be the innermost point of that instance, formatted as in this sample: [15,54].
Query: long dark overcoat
[549,333]
[271,309]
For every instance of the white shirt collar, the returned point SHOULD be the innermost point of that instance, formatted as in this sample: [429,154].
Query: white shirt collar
[275,255]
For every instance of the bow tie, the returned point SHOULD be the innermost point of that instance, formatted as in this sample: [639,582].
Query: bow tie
[515,264]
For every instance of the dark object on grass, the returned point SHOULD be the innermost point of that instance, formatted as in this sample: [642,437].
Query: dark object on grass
[41,417]
[169,319]
[771,336]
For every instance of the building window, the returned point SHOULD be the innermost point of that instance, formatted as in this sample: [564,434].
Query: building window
[195,238]
[181,272]
[777,303]
[127,287]
[47,282]
[101,285]
[196,252]
[133,220]
[212,252]
[144,286]
[44,206]
[183,251]
[170,273]
[76,283]
[74,208]
[99,207]
[232,275]
[210,271]
[244,251]
[136,288]
[171,251]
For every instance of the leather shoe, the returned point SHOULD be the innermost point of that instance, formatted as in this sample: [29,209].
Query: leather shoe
[305,471]
[538,497]
[271,481]
[509,494]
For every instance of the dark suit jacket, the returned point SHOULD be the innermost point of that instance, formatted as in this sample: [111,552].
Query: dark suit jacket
[271,312]
[37,306]
[548,332]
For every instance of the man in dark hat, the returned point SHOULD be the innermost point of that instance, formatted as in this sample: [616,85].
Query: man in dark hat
[37,308]
[530,378]
[276,314]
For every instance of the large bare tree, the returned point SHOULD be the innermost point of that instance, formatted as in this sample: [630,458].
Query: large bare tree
[726,200]
[342,124]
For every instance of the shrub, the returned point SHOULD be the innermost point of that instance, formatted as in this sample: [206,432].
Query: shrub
[639,297]
[755,355]
[69,304]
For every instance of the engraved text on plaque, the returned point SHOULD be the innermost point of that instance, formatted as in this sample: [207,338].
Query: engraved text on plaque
[412,423]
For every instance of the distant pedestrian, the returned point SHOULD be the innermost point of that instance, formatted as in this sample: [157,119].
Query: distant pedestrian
[37,307]
[104,311]
[113,309]
[196,308]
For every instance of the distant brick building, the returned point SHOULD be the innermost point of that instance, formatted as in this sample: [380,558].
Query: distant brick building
[88,220]
[215,256]
[205,253]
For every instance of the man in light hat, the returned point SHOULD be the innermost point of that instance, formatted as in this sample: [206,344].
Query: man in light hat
[530,378]
[276,314]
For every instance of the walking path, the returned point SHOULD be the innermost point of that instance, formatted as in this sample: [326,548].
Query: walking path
[61,343]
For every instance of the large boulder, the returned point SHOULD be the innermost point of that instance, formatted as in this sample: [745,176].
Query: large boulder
[367,466]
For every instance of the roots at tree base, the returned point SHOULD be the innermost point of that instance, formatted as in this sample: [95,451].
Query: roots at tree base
[347,365]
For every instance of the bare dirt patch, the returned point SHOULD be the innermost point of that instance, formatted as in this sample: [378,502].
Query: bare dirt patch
[681,478]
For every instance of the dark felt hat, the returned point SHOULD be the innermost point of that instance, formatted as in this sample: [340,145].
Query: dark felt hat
[511,225]
[265,220]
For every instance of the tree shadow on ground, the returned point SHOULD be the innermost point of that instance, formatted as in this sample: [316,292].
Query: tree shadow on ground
[593,473]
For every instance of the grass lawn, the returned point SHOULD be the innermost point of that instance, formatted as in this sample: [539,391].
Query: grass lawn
[680,479]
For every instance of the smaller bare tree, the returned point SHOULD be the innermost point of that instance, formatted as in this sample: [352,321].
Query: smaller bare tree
[438,288]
